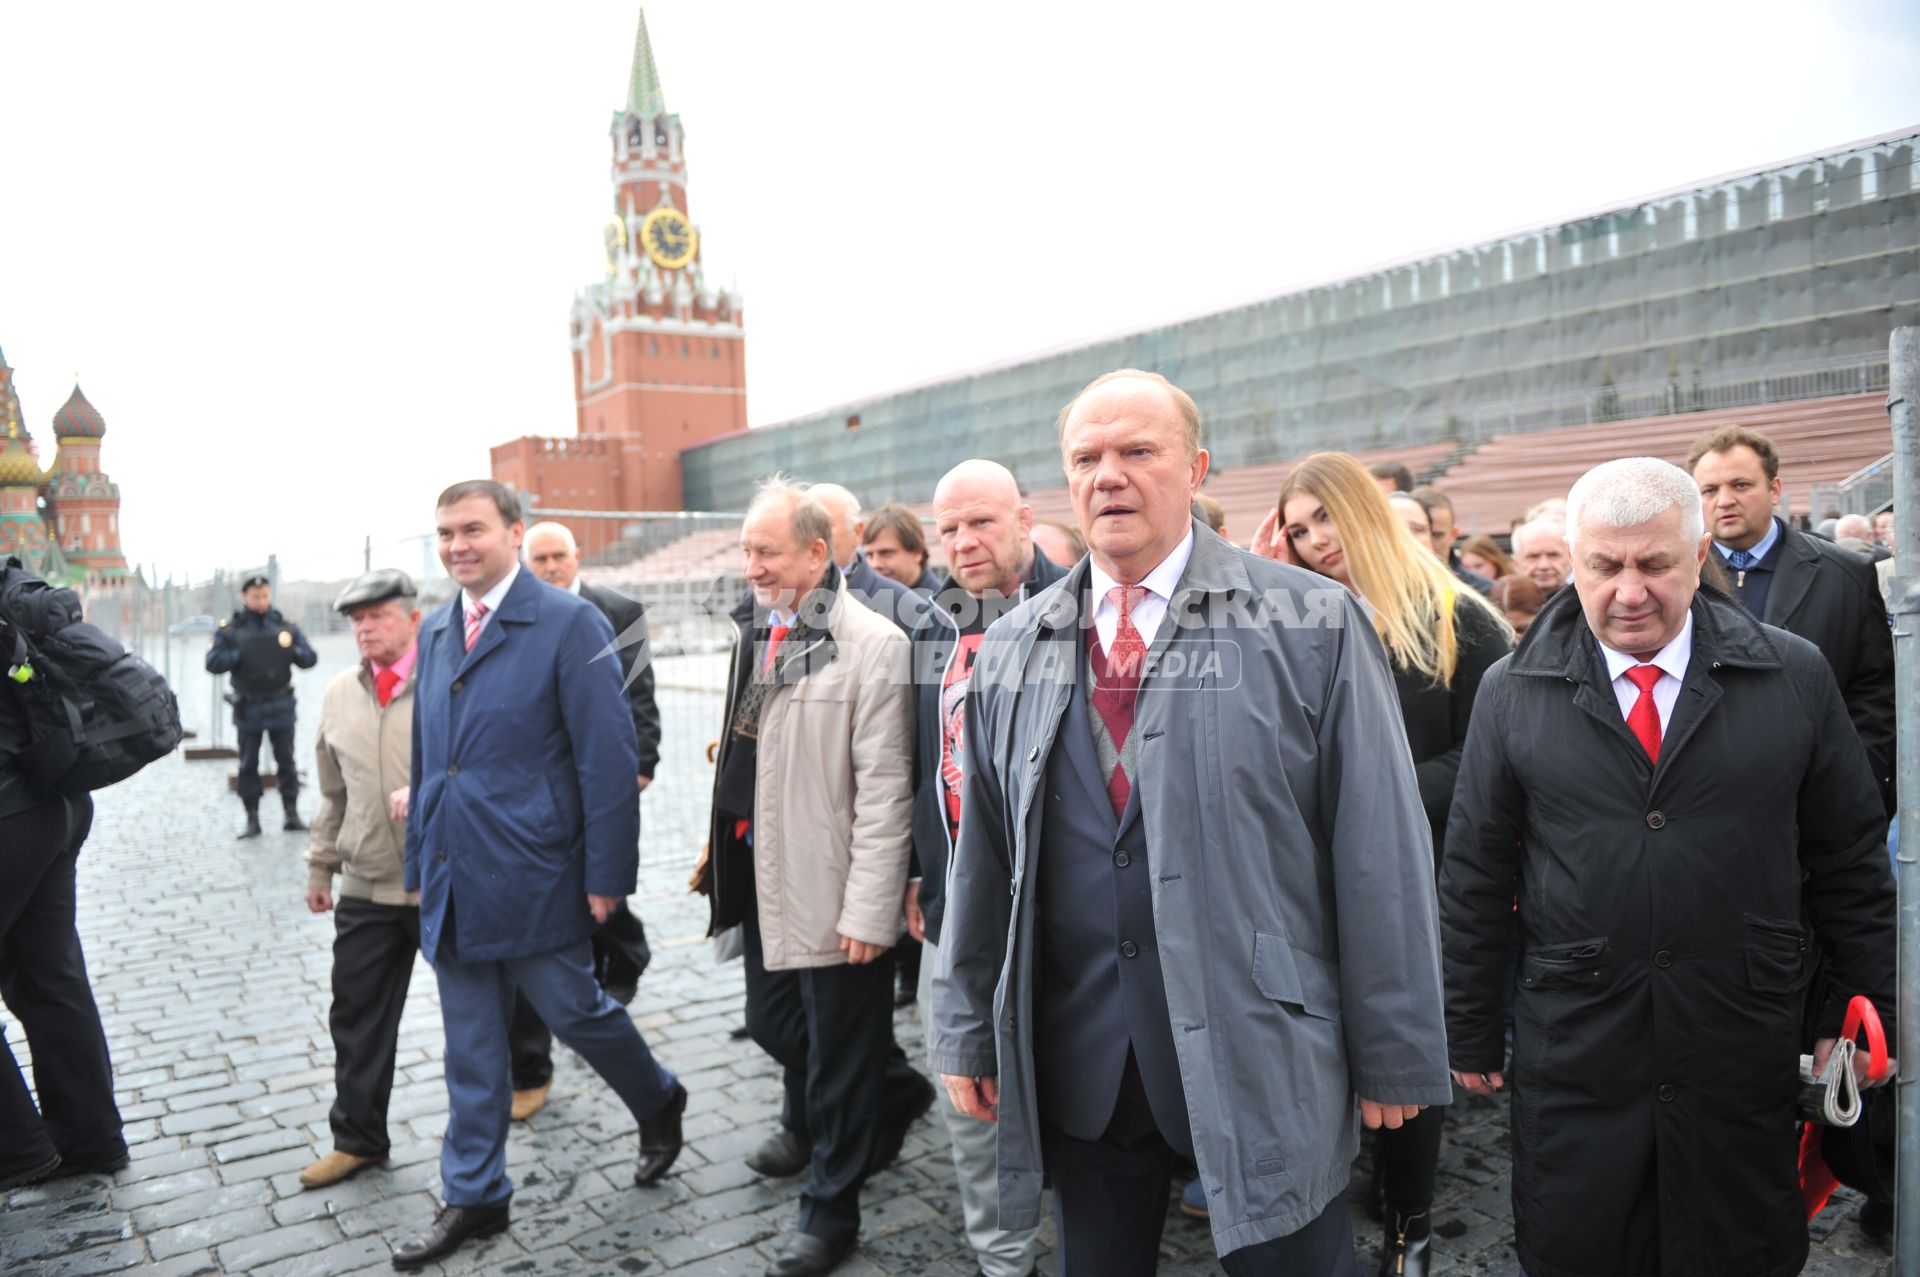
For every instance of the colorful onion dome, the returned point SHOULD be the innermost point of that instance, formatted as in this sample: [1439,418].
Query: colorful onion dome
[78,419]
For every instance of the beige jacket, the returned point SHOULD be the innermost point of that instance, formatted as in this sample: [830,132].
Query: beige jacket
[363,754]
[833,796]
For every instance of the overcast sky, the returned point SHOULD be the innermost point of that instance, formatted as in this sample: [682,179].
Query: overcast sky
[311,261]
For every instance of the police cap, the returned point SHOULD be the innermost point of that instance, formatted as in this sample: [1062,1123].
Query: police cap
[253,579]
[376,586]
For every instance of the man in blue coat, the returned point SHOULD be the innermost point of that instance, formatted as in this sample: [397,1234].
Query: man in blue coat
[523,835]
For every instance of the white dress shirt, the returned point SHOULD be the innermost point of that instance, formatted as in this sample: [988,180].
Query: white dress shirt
[491,598]
[1672,660]
[1149,611]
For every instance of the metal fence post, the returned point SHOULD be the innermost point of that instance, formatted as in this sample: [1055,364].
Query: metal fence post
[1903,393]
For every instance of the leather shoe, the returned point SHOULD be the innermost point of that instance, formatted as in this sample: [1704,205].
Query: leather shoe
[31,1174]
[334,1167]
[452,1226]
[530,1101]
[660,1140]
[108,1165]
[781,1154]
[805,1255]
[887,1141]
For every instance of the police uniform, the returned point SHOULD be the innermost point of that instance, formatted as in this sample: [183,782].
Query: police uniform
[260,650]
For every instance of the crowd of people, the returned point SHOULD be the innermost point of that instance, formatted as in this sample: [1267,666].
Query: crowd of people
[1198,861]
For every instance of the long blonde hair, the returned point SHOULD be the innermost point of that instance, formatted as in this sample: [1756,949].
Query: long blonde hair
[1412,593]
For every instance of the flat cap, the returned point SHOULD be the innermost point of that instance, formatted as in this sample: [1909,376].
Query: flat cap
[253,579]
[376,586]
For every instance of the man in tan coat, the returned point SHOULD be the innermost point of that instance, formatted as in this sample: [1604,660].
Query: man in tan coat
[362,761]
[813,804]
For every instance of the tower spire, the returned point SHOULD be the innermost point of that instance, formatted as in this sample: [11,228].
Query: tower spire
[644,97]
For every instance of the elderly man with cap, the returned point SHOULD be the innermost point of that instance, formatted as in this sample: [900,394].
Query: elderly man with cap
[259,648]
[361,761]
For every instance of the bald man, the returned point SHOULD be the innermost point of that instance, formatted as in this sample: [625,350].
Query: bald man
[986,531]
[887,597]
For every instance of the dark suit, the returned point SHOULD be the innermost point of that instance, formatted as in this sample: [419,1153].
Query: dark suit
[1831,598]
[619,943]
[625,614]
[523,803]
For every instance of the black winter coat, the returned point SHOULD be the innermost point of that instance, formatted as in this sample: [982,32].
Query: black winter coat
[625,613]
[1831,598]
[1665,959]
[1436,717]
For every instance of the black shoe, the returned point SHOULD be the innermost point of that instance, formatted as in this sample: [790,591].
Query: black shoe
[892,1135]
[108,1165]
[660,1140]
[1405,1252]
[781,1154]
[31,1175]
[293,823]
[451,1227]
[805,1255]
[1875,1217]
[253,822]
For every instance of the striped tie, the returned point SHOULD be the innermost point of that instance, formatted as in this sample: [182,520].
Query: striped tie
[475,614]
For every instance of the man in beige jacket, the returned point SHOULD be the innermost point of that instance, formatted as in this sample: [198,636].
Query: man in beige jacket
[813,797]
[362,761]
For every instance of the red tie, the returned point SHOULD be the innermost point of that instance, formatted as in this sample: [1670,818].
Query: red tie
[385,683]
[1117,686]
[475,615]
[1644,717]
[775,637]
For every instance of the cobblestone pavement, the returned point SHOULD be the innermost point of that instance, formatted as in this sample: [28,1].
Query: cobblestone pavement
[213,982]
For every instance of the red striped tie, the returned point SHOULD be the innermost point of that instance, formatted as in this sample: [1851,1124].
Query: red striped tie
[475,614]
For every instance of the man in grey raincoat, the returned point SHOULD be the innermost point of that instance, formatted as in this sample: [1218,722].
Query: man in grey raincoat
[1191,908]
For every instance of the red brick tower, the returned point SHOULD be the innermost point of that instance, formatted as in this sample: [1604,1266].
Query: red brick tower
[659,351]
[83,504]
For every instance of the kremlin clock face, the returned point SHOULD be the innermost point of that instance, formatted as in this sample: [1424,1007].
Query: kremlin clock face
[616,237]
[669,238]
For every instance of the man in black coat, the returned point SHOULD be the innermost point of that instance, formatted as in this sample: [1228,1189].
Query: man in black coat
[260,649]
[1667,788]
[620,949]
[1803,584]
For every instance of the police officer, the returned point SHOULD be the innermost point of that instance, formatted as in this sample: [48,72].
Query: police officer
[259,648]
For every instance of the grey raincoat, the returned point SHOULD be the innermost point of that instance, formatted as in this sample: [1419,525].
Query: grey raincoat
[1292,885]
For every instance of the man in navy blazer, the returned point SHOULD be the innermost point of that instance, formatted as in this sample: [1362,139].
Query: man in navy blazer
[523,834]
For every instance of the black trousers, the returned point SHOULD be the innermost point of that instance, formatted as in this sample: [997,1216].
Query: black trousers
[620,953]
[288,779]
[43,978]
[373,950]
[831,1030]
[1110,1203]
[1409,1157]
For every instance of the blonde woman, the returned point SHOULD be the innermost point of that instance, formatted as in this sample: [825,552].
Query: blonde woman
[1333,519]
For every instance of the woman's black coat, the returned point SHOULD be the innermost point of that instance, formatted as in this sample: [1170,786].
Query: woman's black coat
[1436,715]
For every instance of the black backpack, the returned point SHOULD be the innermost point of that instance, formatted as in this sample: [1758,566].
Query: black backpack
[96,713]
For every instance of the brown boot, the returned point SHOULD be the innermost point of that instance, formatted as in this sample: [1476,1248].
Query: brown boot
[527,1103]
[334,1167]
